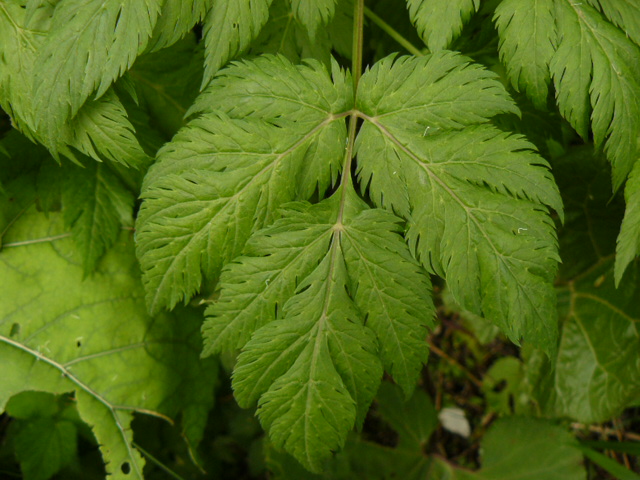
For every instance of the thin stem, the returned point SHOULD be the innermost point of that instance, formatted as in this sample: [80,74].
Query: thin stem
[358,40]
[393,33]
[157,462]
[356,67]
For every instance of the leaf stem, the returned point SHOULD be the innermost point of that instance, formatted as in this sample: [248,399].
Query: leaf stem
[356,67]
[157,462]
[358,28]
[393,33]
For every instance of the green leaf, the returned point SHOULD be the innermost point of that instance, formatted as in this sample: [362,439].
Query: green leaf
[177,18]
[221,179]
[45,445]
[629,238]
[314,369]
[102,131]
[529,449]
[528,41]
[608,464]
[62,333]
[90,44]
[313,14]
[596,67]
[283,35]
[19,43]
[593,65]
[229,28]
[622,13]
[256,285]
[438,22]
[474,197]
[95,206]
[392,291]
[414,419]
[598,359]
[306,286]
[167,83]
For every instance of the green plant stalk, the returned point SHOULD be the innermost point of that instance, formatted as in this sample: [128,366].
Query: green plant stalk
[356,72]
[389,30]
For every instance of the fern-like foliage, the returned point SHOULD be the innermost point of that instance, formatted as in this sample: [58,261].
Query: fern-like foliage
[425,153]
[90,44]
[439,23]
[320,298]
[596,75]
[229,28]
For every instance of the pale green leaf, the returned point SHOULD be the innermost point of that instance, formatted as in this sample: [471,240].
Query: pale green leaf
[90,44]
[629,238]
[229,28]
[95,205]
[176,19]
[474,197]
[272,88]
[528,41]
[221,179]
[313,14]
[62,333]
[440,22]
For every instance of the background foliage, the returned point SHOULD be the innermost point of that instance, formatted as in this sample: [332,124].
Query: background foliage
[233,232]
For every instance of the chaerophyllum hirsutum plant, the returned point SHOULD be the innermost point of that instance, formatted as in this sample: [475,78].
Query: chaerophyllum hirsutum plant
[308,184]
[322,297]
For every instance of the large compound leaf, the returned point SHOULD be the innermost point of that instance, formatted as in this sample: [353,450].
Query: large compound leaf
[90,44]
[229,28]
[222,178]
[62,333]
[305,287]
[474,196]
[438,22]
